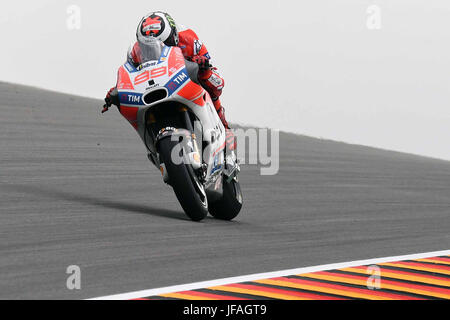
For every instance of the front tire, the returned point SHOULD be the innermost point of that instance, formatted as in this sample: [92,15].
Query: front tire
[230,205]
[189,191]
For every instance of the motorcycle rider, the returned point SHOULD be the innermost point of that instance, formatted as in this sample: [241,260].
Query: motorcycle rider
[161,26]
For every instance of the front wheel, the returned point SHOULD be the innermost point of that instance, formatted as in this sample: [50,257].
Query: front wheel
[189,191]
[230,205]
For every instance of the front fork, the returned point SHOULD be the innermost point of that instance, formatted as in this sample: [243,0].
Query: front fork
[194,156]
[190,146]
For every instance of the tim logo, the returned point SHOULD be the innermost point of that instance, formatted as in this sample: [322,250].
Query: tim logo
[130,98]
[179,79]
[134,99]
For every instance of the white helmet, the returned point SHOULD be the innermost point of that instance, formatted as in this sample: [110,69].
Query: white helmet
[157,25]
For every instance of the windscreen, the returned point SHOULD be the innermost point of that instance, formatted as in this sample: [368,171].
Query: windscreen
[149,51]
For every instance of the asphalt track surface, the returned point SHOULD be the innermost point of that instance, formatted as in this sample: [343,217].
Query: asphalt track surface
[76,188]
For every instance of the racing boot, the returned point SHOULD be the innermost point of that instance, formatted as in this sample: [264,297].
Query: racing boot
[231,162]
[230,138]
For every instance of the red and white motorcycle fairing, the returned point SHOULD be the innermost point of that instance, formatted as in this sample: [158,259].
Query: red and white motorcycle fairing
[169,83]
[169,74]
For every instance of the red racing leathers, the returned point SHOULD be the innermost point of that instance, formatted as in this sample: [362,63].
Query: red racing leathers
[193,49]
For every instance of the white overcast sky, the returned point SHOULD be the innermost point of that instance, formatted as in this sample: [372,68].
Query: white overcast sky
[311,67]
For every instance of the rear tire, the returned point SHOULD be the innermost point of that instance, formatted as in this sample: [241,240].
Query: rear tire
[185,183]
[230,205]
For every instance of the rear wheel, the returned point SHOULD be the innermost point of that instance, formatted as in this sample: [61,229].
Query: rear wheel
[230,205]
[188,189]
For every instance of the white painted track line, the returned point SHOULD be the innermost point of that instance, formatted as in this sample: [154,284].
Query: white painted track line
[253,277]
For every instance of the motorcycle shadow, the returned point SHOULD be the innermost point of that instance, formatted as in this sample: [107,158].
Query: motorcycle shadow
[101,202]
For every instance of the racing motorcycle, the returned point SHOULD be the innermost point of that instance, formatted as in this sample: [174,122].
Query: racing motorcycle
[184,136]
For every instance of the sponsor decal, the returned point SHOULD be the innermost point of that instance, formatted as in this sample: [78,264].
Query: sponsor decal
[164,54]
[152,84]
[151,25]
[172,23]
[217,164]
[146,65]
[197,47]
[180,78]
[130,67]
[177,81]
[131,98]
[216,81]
[165,51]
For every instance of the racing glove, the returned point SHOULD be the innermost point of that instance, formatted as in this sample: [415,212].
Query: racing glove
[110,99]
[202,61]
